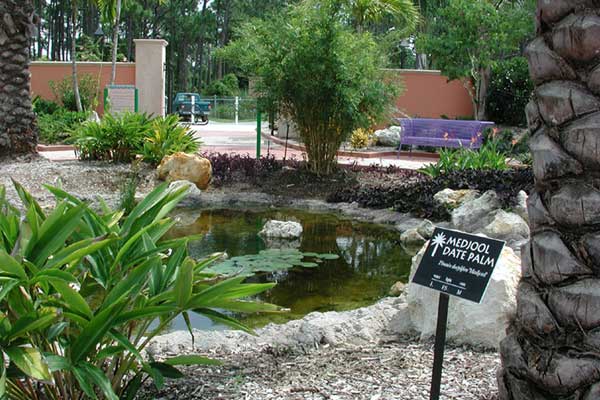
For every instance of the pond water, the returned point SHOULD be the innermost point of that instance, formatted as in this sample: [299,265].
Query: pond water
[370,261]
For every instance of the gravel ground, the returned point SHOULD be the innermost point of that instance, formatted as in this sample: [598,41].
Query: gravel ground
[399,370]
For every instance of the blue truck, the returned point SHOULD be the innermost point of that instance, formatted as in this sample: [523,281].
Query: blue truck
[187,104]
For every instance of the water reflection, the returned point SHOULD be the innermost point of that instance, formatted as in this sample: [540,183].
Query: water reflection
[371,259]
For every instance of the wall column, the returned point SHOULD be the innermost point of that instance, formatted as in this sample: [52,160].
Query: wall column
[150,59]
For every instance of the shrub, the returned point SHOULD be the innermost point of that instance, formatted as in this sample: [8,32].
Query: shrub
[417,197]
[509,91]
[361,138]
[44,107]
[226,167]
[228,86]
[167,137]
[57,127]
[65,96]
[116,138]
[311,66]
[488,157]
[84,293]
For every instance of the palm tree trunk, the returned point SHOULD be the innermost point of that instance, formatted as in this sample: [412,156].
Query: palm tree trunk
[74,58]
[113,75]
[18,132]
[552,350]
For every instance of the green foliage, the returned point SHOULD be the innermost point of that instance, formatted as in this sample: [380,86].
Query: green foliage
[509,92]
[309,65]
[56,127]
[469,37]
[228,86]
[167,137]
[116,138]
[84,293]
[488,157]
[122,137]
[271,260]
[43,106]
[88,90]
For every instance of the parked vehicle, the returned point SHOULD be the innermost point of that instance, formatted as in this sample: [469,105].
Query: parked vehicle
[187,104]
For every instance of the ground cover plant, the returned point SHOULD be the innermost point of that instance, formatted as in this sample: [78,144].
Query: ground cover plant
[416,196]
[55,122]
[84,292]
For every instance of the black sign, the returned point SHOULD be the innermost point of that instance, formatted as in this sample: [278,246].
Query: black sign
[458,263]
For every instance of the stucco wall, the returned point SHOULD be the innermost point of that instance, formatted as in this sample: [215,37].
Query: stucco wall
[428,94]
[44,72]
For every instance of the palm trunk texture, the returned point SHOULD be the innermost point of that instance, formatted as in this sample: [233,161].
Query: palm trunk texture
[18,132]
[552,350]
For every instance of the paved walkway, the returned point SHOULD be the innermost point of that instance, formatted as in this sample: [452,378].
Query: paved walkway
[241,139]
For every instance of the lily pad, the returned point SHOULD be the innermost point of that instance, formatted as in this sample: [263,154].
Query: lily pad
[270,260]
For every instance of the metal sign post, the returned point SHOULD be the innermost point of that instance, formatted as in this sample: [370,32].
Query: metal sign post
[458,264]
[258,138]
[193,110]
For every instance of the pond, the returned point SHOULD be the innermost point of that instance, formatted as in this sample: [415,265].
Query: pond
[370,261]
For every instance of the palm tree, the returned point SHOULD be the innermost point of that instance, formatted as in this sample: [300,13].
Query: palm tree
[74,11]
[552,350]
[18,133]
[364,12]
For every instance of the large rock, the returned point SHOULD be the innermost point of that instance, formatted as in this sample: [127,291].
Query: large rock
[187,167]
[506,225]
[412,240]
[472,215]
[389,137]
[281,229]
[450,199]
[521,207]
[468,323]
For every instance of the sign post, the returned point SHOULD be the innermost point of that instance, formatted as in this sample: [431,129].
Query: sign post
[458,264]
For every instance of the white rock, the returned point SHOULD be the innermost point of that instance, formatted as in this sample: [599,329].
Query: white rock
[389,137]
[468,323]
[281,229]
[192,188]
[506,225]
[426,229]
[521,207]
[93,117]
[451,199]
[472,215]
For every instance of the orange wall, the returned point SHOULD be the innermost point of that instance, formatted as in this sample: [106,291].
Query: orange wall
[44,72]
[428,94]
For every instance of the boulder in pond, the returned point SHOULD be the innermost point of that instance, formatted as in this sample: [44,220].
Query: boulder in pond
[281,229]
[188,167]
[450,199]
[468,323]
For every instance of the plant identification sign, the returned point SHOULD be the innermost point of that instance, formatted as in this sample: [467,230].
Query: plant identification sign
[458,263]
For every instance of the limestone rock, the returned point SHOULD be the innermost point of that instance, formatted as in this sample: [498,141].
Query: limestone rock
[506,225]
[426,229]
[468,323]
[451,199]
[281,229]
[189,167]
[472,215]
[192,188]
[397,288]
[521,207]
[389,137]
[412,238]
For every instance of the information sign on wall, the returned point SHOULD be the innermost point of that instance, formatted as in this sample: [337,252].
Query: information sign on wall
[458,263]
[120,98]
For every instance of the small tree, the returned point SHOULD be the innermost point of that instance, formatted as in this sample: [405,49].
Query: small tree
[469,37]
[317,71]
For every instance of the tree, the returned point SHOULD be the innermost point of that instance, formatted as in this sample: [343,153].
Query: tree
[469,36]
[552,349]
[74,12]
[364,12]
[18,133]
[314,69]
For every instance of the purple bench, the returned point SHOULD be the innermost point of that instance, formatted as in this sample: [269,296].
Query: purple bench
[442,132]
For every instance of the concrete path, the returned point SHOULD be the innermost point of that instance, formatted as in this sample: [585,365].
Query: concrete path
[218,137]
